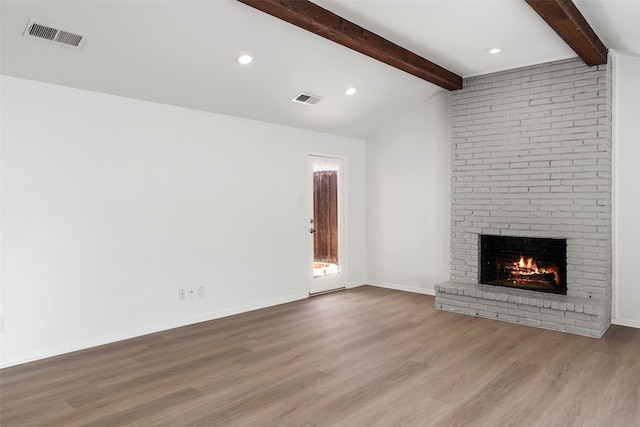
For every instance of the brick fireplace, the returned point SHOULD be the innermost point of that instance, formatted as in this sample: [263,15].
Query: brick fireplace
[531,158]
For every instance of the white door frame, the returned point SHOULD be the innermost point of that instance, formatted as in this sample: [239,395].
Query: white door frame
[328,283]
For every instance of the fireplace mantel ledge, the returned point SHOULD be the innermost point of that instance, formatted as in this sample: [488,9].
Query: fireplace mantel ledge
[524,297]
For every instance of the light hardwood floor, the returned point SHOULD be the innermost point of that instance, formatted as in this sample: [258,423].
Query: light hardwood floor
[362,357]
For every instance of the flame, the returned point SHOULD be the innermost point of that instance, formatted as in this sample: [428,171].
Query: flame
[527,267]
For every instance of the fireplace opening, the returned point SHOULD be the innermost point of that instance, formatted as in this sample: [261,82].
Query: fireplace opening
[532,263]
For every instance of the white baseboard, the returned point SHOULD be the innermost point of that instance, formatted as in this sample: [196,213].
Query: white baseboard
[397,287]
[355,285]
[133,333]
[626,322]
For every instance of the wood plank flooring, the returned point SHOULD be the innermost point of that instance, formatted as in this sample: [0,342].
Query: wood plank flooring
[362,357]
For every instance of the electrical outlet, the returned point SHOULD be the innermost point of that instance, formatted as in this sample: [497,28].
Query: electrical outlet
[200,291]
[190,293]
[180,293]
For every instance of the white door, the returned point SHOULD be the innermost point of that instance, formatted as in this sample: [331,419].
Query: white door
[325,213]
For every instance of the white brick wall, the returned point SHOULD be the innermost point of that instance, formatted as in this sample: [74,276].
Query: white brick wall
[531,156]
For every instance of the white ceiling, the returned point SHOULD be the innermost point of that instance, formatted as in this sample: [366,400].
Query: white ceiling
[182,53]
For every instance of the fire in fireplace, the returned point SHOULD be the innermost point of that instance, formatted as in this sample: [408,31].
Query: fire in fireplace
[537,264]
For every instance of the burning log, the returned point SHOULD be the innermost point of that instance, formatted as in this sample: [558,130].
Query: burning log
[527,271]
[549,278]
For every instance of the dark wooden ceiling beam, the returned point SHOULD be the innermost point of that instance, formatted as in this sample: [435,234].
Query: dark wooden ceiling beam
[322,22]
[566,20]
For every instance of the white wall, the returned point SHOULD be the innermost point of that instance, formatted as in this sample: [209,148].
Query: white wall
[626,192]
[408,209]
[109,205]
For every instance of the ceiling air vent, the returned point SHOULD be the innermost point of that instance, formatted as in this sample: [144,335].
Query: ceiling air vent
[307,98]
[53,33]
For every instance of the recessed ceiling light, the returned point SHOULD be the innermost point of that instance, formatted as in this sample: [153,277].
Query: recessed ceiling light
[350,91]
[244,59]
[493,50]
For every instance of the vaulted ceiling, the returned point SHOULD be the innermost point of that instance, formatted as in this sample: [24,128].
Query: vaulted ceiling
[183,53]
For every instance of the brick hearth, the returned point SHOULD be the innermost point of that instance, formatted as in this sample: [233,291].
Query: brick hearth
[531,156]
[583,316]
